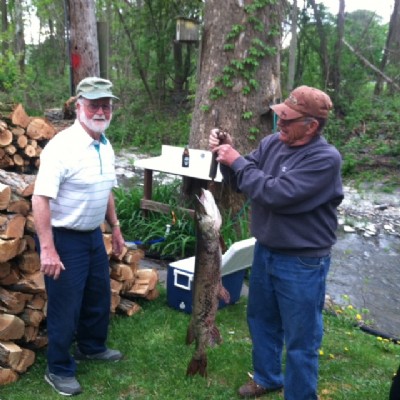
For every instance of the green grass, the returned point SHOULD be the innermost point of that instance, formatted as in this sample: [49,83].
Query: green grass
[353,366]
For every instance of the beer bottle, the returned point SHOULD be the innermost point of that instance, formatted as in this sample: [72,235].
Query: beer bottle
[185,157]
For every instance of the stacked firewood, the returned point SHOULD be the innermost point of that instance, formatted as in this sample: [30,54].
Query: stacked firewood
[22,138]
[22,292]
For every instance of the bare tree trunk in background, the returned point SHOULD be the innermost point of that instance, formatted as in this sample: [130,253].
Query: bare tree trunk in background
[323,47]
[84,44]
[229,87]
[338,56]
[293,48]
[4,25]
[391,54]
[19,34]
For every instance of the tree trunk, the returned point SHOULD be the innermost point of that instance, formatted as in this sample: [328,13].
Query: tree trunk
[19,34]
[84,44]
[293,48]
[391,53]
[338,56]
[323,47]
[239,76]
[4,25]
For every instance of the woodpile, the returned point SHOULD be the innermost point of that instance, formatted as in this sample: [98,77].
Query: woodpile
[22,138]
[22,291]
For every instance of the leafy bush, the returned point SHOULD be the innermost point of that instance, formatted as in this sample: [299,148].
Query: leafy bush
[148,130]
[178,241]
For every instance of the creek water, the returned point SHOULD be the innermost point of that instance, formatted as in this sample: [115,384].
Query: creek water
[364,267]
[367,270]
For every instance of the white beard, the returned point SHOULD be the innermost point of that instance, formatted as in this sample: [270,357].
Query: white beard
[97,124]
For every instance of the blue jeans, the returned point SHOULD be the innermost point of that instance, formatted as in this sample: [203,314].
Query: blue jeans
[79,300]
[286,298]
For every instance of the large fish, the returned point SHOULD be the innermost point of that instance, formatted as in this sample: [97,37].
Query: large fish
[207,286]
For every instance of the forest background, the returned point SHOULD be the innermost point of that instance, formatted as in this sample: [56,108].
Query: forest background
[156,76]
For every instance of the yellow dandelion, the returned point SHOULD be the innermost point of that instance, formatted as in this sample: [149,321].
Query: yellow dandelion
[379,338]
[350,307]
[321,352]
[358,317]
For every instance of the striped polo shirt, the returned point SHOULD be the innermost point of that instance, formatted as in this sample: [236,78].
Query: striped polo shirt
[77,173]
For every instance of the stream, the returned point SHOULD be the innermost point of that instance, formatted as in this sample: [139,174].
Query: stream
[367,270]
[365,265]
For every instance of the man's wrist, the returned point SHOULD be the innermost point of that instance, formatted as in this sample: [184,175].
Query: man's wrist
[116,224]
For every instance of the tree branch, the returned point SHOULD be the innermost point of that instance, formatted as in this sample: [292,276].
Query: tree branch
[371,66]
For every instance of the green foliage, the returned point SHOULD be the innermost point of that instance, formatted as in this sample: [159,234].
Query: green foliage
[205,108]
[257,5]
[253,133]
[236,227]
[151,229]
[9,72]
[368,139]
[148,131]
[216,93]
[229,47]
[350,315]
[247,115]
[235,32]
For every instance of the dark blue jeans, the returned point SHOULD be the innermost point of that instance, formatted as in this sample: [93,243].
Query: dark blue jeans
[79,300]
[286,298]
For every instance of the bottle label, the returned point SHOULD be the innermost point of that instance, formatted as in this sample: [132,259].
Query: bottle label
[185,161]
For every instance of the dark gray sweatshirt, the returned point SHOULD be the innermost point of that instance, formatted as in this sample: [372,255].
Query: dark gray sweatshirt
[294,193]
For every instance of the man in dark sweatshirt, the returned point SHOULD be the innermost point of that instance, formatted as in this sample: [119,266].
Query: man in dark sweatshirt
[294,183]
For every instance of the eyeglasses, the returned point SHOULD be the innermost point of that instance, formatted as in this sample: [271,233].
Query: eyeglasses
[286,122]
[94,107]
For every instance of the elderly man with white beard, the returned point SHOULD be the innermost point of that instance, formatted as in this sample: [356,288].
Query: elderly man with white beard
[72,198]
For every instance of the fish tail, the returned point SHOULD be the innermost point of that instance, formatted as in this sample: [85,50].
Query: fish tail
[197,366]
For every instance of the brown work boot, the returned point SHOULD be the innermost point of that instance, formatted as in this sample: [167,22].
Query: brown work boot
[252,389]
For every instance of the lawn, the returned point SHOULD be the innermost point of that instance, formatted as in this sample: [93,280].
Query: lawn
[353,364]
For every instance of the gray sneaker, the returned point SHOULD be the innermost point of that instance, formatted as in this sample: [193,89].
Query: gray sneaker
[107,355]
[64,385]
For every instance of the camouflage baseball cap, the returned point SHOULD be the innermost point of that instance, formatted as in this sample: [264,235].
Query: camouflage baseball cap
[304,101]
[94,88]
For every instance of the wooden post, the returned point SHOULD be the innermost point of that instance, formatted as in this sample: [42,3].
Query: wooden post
[147,186]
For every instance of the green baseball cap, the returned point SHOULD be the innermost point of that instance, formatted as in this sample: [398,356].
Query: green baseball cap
[94,88]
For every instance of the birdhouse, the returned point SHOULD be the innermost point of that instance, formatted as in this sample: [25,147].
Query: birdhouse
[187,30]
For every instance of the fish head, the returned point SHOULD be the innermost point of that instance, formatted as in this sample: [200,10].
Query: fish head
[207,213]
